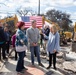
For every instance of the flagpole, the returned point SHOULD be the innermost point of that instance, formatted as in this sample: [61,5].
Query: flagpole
[39,7]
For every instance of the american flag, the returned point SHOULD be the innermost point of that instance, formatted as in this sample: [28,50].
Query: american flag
[28,19]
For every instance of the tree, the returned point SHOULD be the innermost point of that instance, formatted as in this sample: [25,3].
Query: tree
[61,18]
[24,11]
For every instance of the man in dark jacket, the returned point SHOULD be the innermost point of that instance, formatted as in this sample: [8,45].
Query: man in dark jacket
[2,42]
[46,31]
[8,39]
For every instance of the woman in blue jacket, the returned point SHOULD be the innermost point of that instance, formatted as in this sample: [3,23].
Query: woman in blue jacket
[53,45]
[21,43]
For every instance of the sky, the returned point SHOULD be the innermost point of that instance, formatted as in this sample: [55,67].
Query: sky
[11,6]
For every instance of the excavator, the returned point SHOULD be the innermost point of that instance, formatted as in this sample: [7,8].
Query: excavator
[70,35]
[10,21]
[74,36]
[63,39]
[75,27]
[50,22]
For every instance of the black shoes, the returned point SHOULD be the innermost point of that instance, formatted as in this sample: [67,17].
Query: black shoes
[40,64]
[5,58]
[25,69]
[48,67]
[55,68]
[33,65]
[20,73]
[15,59]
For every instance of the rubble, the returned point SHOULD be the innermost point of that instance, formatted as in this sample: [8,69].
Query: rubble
[71,56]
[70,66]
[59,55]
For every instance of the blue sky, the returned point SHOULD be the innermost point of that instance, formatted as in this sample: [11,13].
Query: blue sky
[10,6]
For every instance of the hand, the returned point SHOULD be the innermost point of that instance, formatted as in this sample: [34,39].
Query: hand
[43,34]
[22,42]
[6,42]
[34,44]
[54,51]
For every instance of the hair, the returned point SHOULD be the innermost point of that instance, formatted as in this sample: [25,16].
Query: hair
[33,21]
[20,24]
[0,23]
[6,28]
[54,27]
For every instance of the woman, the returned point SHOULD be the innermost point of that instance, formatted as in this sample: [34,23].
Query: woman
[21,43]
[53,45]
[13,44]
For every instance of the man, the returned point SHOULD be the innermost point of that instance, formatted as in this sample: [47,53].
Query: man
[33,38]
[2,42]
[8,39]
[46,32]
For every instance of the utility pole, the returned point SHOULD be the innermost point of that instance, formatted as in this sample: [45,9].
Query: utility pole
[39,7]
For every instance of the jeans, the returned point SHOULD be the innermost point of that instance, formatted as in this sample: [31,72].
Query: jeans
[2,47]
[36,49]
[7,47]
[20,63]
[15,55]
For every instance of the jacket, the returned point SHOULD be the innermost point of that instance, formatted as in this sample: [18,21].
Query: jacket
[33,35]
[21,38]
[53,42]
[2,36]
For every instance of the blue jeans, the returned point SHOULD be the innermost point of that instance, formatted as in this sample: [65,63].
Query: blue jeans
[20,63]
[36,48]
[3,49]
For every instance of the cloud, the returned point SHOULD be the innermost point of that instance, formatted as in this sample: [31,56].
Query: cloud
[12,5]
[73,16]
[34,3]
[2,0]
[64,2]
[49,8]
[2,16]
[74,3]
[59,3]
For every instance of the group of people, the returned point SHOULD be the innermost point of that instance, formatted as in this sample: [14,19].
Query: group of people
[32,37]
[4,41]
